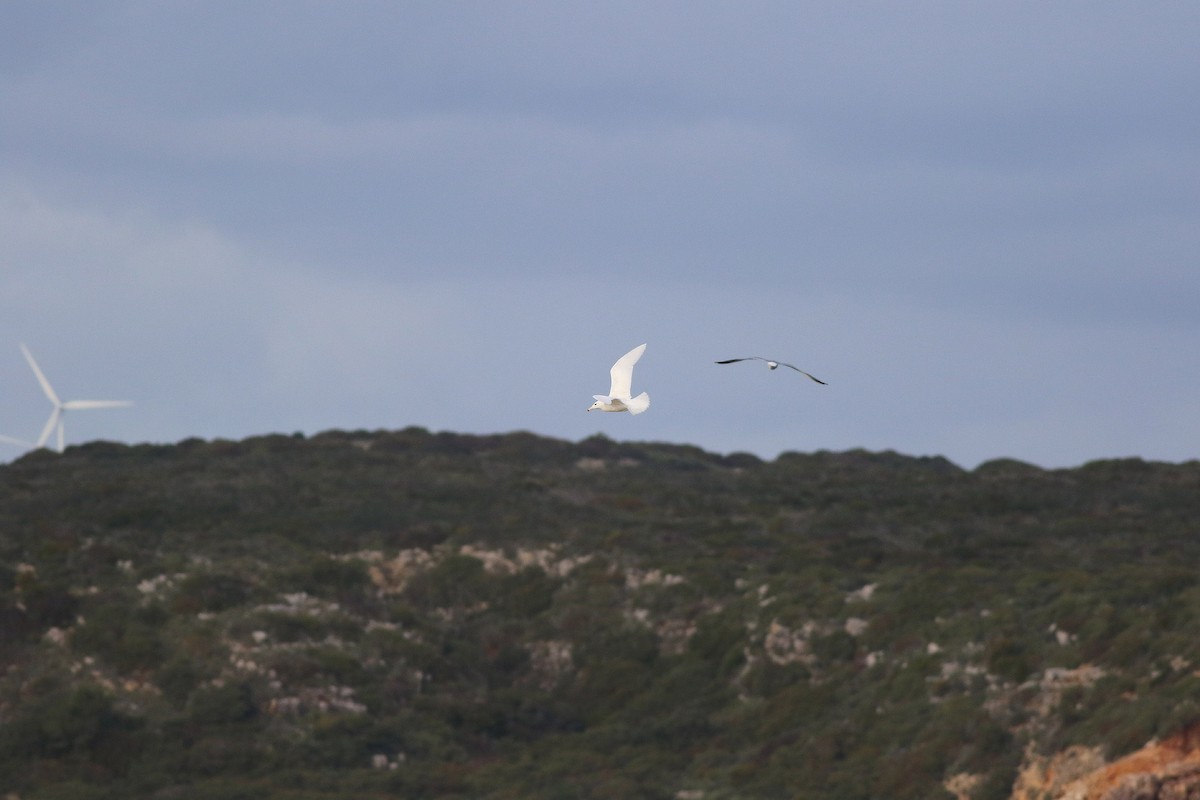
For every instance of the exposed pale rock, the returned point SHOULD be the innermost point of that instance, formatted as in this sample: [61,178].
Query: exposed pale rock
[1166,770]
[549,661]
[785,646]
[390,577]
[962,785]
[637,578]
[863,593]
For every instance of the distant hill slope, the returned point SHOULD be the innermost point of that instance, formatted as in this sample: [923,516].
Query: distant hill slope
[417,614]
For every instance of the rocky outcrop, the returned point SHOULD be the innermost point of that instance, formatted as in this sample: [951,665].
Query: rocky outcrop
[1162,770]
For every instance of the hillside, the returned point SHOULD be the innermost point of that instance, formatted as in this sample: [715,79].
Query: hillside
[416,614]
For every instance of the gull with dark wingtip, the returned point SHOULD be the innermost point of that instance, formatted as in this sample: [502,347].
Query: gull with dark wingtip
[773,365]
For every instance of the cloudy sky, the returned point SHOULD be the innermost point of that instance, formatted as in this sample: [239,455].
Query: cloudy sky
[979,223]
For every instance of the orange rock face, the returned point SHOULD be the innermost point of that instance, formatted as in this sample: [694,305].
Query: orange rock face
[1166,770]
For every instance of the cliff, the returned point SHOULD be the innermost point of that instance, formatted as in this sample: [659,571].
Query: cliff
[1161,770]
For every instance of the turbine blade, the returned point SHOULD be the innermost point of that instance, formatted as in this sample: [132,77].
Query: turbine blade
[46,387]
[49,429]
[74,405]
[14,441]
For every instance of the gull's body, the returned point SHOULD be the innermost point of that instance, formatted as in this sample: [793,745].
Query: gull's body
[620,388]
[771,364]
[56,416]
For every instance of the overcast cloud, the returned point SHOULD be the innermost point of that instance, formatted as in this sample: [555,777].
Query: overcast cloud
[979,223]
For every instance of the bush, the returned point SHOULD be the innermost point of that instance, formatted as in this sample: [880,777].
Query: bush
[47,605]
[1008,657]
[177,679]
[128,637]
[718,636]
[527,593]
[210,591]
[457,580]
[80,727]
[834,648]
[225,704]
[329,578]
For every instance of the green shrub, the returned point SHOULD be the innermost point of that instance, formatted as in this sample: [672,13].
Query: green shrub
[286,627]
[718,636]
[456,580]
[79,728]
[223,704]
[1009,657]
[178,678]
[126,636]
[329,578]
[526,593]
[48,605]
[210,591]
[835,647]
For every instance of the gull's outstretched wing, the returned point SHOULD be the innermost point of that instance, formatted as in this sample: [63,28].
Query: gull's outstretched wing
[622,373]
[802,372]
[773,364]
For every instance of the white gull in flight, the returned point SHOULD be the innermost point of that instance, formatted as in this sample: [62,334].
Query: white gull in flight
[772,365]
[618,397]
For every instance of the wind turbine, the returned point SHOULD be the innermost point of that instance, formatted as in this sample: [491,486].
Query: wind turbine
[15,442]
[56,416]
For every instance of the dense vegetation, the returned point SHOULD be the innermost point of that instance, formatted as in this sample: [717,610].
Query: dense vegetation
[415,614]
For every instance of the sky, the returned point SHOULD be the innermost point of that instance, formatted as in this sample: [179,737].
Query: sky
[978,223]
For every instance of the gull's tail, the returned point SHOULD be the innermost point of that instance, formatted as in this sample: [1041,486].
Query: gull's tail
[637,405]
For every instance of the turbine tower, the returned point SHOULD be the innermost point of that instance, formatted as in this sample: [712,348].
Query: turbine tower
[56,416]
